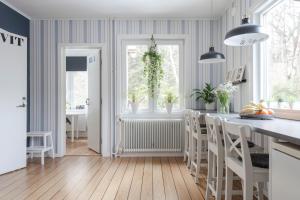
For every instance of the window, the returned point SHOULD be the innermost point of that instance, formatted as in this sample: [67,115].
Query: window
[76,88]
[281,55]
[136,82]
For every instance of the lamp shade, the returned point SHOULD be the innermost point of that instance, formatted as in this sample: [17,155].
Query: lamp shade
[246,34]
[212,57]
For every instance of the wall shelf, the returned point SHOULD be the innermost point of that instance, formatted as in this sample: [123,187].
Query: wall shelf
[239,82]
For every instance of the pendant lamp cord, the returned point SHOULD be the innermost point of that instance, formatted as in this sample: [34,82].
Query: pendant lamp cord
[212,15]
[246,15]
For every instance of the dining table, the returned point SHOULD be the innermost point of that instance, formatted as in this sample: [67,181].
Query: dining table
[284,150]
[74,115]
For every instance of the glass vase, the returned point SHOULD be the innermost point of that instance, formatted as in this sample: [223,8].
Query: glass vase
[223,106]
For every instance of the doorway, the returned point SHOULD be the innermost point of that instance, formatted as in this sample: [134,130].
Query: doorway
[83,101]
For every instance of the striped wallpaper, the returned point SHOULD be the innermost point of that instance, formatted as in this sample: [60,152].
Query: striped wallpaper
[237,56]
[47,34]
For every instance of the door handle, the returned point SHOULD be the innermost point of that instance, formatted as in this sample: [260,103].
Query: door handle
[21,106]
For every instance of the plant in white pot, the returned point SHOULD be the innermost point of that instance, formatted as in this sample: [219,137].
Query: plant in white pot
[170,99]
[134,101]
[207,95]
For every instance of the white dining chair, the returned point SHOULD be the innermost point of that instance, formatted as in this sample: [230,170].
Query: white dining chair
[187,137]
[198,144]
[215,157]
[252,168]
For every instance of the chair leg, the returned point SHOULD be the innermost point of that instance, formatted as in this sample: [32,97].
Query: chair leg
[260,191]
[42,158]
[199,157]
[220,166]
[185,146]
[192,155]
[248,189]
[209,173]
[228,184]
[189,151]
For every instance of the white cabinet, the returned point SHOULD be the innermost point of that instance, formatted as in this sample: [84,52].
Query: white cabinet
[285,172]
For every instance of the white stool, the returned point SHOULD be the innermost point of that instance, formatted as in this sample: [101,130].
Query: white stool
[187,137]
[47,147]
[198,144]
[251,168]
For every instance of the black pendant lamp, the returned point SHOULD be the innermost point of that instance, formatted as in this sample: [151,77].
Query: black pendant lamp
[211,56]
[246,34]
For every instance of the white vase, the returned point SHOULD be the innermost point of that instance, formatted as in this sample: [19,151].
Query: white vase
[169,107]
[134,107]
[210,106]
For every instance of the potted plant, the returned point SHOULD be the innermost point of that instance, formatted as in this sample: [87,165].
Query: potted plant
[207,95]
[291,98]
[170,99]
[153,70]
[134,101]
[223,93]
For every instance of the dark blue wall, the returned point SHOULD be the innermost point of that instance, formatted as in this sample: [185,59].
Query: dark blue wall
[13,22]
[76,63]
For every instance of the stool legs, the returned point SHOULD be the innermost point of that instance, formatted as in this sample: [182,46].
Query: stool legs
[52,147]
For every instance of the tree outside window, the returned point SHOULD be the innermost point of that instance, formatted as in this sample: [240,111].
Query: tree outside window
[282,66]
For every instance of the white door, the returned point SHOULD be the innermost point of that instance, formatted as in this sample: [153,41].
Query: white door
[94,104]
[13,83]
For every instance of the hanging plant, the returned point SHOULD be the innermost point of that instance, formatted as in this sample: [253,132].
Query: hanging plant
[153,70]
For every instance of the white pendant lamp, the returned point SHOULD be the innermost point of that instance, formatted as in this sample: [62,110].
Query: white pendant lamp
[246,34]
[211,56]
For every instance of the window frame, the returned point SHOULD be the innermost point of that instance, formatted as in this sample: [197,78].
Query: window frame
[121,82]
[159,42]
[259,59]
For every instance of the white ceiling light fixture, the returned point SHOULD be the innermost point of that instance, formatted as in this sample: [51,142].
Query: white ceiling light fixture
[211,56]
[246,34]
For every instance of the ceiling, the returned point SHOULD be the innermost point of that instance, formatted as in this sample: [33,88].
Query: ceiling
[44,9]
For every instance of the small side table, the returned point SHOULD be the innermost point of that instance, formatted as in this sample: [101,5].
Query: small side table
[46,147]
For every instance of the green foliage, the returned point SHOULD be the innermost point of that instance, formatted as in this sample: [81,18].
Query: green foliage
[134,97]
[170,98]
[153,70]
[207,94]
[286,93]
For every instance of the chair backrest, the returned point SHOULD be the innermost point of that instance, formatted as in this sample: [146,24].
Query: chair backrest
[214,134]
[235,134]
[195,122]
[187,120]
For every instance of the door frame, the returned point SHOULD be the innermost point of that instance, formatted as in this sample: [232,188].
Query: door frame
[105,76]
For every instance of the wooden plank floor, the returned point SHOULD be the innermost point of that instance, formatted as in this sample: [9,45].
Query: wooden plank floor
[78,148]
[94,177]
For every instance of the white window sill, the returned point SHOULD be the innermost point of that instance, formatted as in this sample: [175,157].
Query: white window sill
[153,115]
[287,114]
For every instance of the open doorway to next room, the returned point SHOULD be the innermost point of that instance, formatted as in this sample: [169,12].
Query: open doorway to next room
[82,101]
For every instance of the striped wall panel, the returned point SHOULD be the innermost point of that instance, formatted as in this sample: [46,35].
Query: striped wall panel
[237,56]
[47,34]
